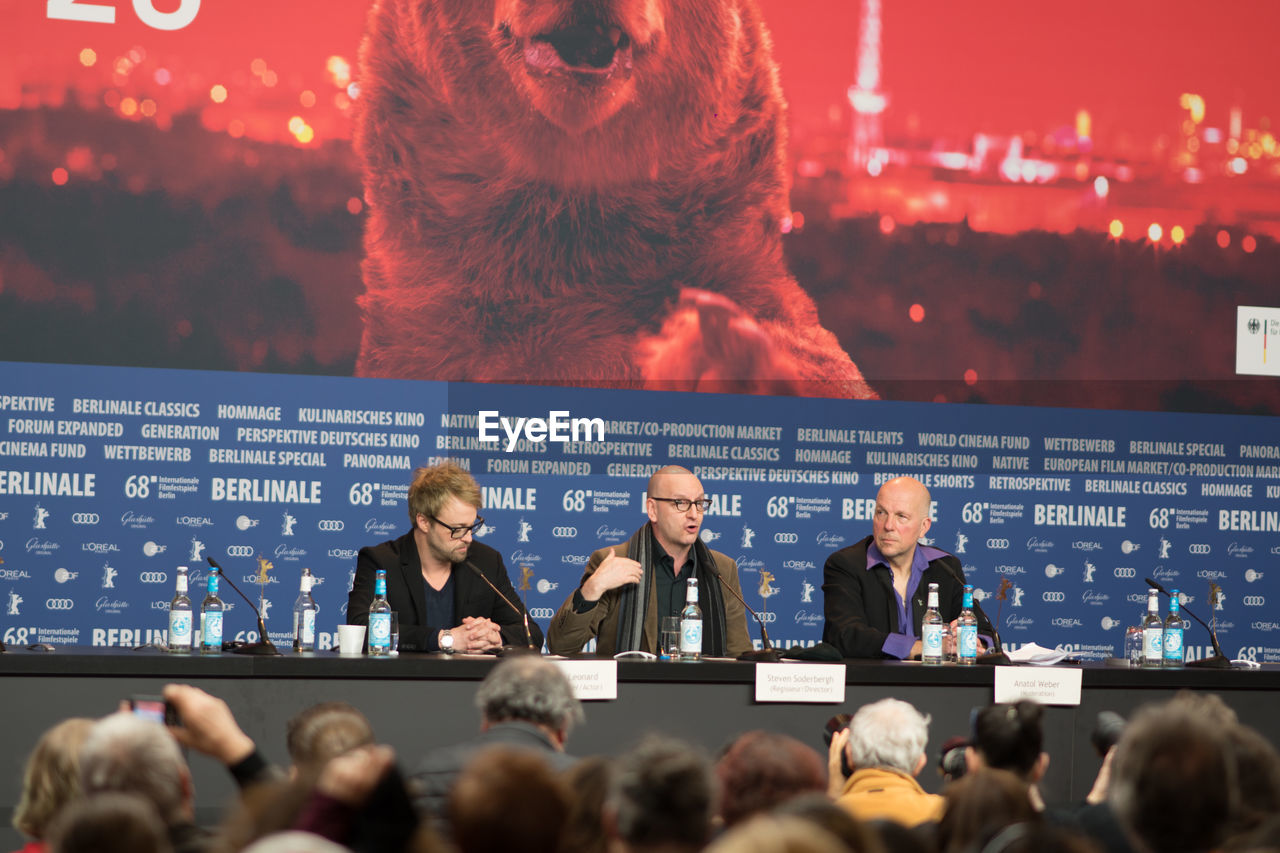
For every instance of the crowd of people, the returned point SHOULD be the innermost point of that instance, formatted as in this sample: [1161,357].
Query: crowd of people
[1182,775]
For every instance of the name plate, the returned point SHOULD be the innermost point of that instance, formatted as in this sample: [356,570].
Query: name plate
[591,679]
[800,682]
[1048,686]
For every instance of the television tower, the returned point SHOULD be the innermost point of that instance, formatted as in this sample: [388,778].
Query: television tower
[865,95]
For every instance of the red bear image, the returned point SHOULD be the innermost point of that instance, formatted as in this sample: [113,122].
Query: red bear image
[582,192]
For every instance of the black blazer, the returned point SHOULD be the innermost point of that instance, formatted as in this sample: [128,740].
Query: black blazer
[860,607]
[406,595]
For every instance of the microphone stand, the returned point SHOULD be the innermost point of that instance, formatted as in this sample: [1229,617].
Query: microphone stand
[766,655]
[264,646]
[528,638]
[1218,660]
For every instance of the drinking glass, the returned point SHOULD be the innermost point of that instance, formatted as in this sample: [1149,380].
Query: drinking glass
[669,639]
[395,632]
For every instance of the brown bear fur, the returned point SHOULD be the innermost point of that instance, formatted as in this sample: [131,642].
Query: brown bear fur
[546,210]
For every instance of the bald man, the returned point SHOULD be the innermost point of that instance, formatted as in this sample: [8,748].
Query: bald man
[626,588]
[875,591]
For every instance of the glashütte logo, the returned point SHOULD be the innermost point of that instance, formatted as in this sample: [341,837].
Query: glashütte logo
[1164,573]
[830,540]
[1018,623]
[100,547]
[150,548]
[110,605]
[523,557]
[41,546]
[1096,598]
[1039,545]
[197,521]
[244,522]
[1235,549]
[382,528]
[59,604]
[606,532]
[804,617]
[287,552]
[85,518]
[1084,545]
[330,525]
[62,575]
[136,521]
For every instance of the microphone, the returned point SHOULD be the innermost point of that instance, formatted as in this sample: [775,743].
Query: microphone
[1218,660]
[264,646]
[766,655]
[528,638]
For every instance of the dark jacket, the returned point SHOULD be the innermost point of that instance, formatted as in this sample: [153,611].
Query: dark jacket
[406,595]
[860,607]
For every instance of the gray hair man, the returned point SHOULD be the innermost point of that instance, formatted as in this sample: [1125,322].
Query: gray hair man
[525,702]
[130,755]
[885,745]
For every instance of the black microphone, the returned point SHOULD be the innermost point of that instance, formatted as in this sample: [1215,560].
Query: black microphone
[994,656]
[1218,660]
[766,655]
[528,638]
[264,646]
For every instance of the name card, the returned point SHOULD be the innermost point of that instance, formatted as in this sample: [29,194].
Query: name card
[1048,686]
[800,682]
[591,679]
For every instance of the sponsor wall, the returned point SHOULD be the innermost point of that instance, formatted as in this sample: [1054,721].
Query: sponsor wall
[110,478]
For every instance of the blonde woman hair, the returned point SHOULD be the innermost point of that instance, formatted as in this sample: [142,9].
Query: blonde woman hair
[52,776]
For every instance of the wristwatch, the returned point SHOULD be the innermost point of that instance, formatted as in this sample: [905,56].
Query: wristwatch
[446,642]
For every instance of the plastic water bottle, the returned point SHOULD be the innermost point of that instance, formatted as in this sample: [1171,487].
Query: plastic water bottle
[931,630]
[211,618]
[1152,633]
[1173,625]
[967,643]
[304,616]
[691,623]
[380,618]
[180,616]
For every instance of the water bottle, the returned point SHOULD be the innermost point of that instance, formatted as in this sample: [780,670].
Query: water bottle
[180,616]
[211,618]
[380,618]
[691,623]
[1173,625]
[967,643]
[931,630]
[304,616]
[1152,632]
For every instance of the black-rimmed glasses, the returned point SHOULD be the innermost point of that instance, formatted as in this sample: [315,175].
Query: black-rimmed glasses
[683,504]
[457,531]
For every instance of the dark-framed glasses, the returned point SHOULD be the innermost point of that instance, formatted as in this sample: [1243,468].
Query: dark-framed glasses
[457,531]
[683,504]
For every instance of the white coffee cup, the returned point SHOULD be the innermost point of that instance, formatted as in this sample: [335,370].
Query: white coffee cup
[351,639]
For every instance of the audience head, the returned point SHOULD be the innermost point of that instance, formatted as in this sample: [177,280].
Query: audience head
[529,689]
[951,759]
[662,795]
[1037,837]
[762,769]
[856,836]
[1010,737]
[1173,777]
[981,804]
[777,834]
[132,755]
[52,776]
[587,782]
[508,799]
[889,734]
[325,731]
[1257,777]
[110,822]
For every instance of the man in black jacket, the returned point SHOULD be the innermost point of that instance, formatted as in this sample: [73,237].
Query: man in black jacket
[874,591]
[444,604]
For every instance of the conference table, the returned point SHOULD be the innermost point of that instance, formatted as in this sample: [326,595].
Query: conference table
[420,701]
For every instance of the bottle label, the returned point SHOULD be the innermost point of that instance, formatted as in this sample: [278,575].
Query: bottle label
[968,641]
[379,630]
[1152,644]
[308,627]
[690,636]
[931,641]
[179,628]
[1173,644]
[211,623]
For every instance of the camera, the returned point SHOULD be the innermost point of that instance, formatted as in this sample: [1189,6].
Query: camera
[154,708]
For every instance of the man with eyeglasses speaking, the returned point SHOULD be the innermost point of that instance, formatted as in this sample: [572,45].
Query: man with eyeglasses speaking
[443,604]
[628,588]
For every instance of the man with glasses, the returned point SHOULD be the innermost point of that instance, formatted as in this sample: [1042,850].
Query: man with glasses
[443,604]
[628,588]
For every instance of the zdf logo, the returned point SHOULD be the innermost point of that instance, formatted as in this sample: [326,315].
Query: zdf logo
[786,538]
[564,532]
[1198,548]
[84,518]
[59,604]
[1253,600]
[1054,596]
[998,544]
[153,577]
[1126,572]
[239,551]
[331,525]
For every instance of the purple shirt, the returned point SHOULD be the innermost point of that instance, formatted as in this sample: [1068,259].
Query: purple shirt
[899,644]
